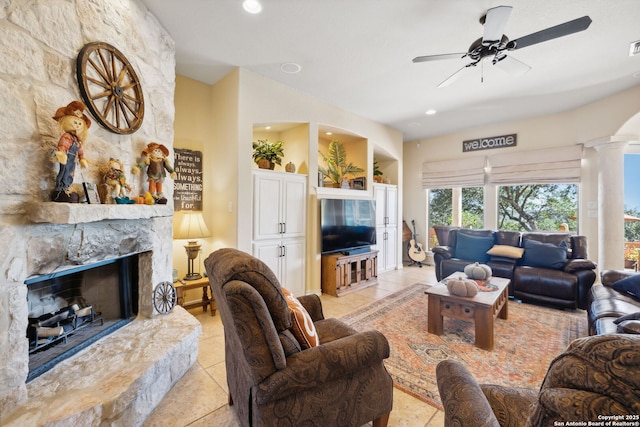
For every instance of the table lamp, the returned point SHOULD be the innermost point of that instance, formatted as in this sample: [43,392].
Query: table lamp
[192,227]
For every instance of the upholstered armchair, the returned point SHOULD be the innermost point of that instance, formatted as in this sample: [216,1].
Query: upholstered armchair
[272,378]
[595,377]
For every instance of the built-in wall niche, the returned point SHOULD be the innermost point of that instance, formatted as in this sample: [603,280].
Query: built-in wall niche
[357,153]
[295,137]
[388,166]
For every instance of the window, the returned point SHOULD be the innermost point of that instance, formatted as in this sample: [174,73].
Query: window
[631,197]
[538,207]
[441,208]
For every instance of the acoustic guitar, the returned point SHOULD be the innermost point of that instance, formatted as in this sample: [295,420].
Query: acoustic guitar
[416,253]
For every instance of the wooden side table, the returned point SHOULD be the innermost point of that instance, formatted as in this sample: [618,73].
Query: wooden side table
[182,286]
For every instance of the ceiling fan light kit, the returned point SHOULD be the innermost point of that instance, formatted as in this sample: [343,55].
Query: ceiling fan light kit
[495,44]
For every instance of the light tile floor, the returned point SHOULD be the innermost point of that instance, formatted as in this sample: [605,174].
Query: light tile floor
[199,398]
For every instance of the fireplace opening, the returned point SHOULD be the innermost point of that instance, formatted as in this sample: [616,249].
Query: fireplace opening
[71,309]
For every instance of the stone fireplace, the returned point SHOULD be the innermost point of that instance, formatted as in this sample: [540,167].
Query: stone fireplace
[118,379]
[72,308]
[123,375]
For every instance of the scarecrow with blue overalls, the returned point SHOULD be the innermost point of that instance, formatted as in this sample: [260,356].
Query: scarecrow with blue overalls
[74,125]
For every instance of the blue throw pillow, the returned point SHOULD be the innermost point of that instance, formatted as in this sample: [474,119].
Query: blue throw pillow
[629,285]
[544,255]
[473,248]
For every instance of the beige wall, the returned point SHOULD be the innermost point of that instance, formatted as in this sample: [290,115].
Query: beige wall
[600,119]
[229,110]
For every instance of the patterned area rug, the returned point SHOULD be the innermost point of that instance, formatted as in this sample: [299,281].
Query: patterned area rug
[525,343]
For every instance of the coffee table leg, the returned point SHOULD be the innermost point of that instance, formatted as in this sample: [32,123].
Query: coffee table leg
[434,315]
[504,311]
[484,327]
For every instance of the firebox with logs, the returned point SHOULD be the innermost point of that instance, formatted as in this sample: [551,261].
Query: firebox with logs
[74,307]
[48,329]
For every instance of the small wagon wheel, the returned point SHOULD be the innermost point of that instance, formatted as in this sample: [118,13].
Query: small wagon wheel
[110,87]
[164,297]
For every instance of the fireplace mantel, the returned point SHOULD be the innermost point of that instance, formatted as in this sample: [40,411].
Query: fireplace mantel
[75,213]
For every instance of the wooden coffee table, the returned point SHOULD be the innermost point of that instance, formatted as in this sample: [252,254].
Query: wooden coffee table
[482,309]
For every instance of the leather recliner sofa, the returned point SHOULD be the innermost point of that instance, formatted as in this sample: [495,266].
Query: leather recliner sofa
[544,268]
[606,304]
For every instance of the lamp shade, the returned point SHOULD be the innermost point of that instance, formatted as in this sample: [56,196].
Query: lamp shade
[192,227]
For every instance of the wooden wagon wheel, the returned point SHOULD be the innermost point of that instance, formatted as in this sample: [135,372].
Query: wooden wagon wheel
[164,297]
[110,87]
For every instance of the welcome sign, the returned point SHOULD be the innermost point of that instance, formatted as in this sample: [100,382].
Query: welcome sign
[490,142]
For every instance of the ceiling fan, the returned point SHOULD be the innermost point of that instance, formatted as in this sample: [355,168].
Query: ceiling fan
[494,43]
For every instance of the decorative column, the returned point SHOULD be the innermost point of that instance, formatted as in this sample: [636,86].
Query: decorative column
[610,200]
[456,206]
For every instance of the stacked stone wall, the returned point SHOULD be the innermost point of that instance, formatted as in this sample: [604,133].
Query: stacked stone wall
[40,41]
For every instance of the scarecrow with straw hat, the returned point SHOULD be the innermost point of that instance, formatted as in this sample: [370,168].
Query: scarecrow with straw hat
[155,157]
[75,126]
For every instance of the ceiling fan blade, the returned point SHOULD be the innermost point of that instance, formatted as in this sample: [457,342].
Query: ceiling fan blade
[438,57]
[561,30]
[453,77]
[512,66]
[494,23]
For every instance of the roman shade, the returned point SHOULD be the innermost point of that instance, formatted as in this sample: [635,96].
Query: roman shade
[552,165]
[467,172]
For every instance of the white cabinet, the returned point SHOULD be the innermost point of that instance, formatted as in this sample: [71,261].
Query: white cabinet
[386,197]
[279,225]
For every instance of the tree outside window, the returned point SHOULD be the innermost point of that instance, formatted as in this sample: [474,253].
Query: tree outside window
[538,207]
[535,207]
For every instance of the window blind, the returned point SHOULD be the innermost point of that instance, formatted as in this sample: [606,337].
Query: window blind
[553,165]
[467,172]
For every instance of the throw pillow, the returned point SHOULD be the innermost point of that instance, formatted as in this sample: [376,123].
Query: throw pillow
[632,316]
[629,327]
[506,251]
[629,285]
[473,248]
[544,255]
[302,325]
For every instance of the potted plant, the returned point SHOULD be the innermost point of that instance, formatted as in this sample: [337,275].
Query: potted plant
[630,256]
[337,166]
[377,173]
[267,154]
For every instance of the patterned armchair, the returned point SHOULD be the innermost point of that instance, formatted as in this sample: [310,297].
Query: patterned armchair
[595,378]
[271,379]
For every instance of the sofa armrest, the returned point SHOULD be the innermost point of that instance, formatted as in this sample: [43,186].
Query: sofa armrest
[609,277]
[313,305]
[445,252]
[510,405]
[462,398]
[573,265]
[325,363]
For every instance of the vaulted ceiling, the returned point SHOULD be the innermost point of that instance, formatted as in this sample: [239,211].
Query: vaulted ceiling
[357,55]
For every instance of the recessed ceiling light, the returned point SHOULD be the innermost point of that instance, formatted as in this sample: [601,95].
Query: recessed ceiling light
[328,133]
[430,112]
[290,68]
[252,6]
[267,127]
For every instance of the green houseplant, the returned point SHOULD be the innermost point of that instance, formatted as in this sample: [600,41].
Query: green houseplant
[377,173]
[337,166]
[268,154]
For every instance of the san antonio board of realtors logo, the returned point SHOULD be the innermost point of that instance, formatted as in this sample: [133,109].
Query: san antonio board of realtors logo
[490,142]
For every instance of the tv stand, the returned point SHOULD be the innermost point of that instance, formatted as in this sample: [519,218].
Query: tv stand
[342,274]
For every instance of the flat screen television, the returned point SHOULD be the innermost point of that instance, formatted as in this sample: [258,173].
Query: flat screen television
[347,225]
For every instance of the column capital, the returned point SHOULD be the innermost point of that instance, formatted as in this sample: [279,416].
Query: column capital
[613,141]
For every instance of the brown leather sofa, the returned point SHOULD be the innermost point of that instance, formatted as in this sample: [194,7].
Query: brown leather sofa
[564,283]
[607,304]
[274,381]
[595,379]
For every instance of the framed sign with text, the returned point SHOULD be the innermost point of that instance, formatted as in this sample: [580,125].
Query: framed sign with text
[187,187]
